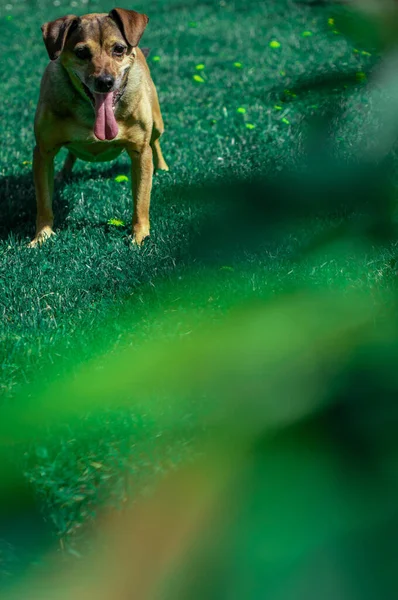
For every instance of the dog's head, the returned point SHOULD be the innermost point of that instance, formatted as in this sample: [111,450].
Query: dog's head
[97,48]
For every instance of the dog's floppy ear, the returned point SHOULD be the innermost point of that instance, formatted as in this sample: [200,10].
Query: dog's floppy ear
[56,32]
[130,23]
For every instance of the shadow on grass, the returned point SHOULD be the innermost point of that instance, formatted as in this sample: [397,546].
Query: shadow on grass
[18,204]
[244,211]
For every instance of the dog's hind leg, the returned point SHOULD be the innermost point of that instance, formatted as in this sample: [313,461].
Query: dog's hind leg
[158,159]
[67,168]
[157,131]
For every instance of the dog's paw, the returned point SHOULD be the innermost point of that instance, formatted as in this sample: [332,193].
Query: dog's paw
[139,235]
[41,237]
[161,166]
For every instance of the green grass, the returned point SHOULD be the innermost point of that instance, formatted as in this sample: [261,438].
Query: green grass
[47,294]
[66,301]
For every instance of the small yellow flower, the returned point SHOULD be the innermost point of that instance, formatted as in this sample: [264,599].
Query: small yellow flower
[121,178]
[156,58]
[286,121]
[331,21]
[250,126]
[198,78]
[27,162]
[307,33]
[200,67]
[116,222]
[238,65]
[274,44]
[241,110]
[277,107]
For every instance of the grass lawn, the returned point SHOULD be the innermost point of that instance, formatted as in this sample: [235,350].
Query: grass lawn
[226,74]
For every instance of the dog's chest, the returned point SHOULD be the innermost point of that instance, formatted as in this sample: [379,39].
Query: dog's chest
[83,143]
[96,151]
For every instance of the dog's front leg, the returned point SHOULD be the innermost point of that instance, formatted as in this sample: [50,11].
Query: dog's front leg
[43,173]
[141,172]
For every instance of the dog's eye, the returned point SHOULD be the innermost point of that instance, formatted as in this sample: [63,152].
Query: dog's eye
[83,52]
[118,50]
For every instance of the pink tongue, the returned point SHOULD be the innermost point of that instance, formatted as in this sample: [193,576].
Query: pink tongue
[105,127]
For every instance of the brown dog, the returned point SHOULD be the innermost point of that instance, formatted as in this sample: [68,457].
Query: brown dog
[97,98]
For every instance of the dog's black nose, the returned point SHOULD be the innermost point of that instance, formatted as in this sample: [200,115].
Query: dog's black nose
[104,83]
